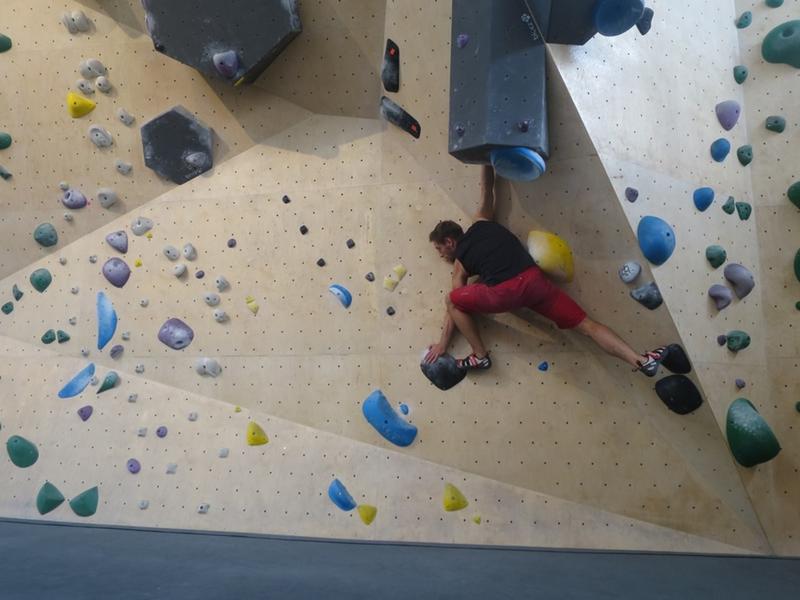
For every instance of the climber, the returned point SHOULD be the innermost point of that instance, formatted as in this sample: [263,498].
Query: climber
[509,279]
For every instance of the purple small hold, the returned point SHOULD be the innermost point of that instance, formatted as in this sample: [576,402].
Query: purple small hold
[462,39]
[226,63]
[116,351]
[740,384]
[232,243]
[722,340]
[118,240]
[161,432]
[631,194]
[117,272]
[134,466]
[200,274]
[85,412]
[73,199]
[728,114]
[176,334]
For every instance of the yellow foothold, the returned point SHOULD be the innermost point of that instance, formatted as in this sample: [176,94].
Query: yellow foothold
[239,82]
[453,498]
[149,235]
[400,271]
[367,513]
[251,304]
[78,106]
[552,254]
[256,435]
[137,262]
[476,519]
[389,284]
[237,409]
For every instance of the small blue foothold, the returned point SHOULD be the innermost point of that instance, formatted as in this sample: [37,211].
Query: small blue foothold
[720,149]
[344,296]
[78,383]
[543,366]
[340,496]
[404,409]
[380,414]
[703,197]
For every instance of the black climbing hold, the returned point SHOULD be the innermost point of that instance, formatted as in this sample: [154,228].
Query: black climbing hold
[396,115]
[303,229]
[444,373]
[286,199]
[390,72]
[646,22]
[676,360]
[177,145]
[321,262]
[648,296]
[351,244]
[391,311]
[679,394]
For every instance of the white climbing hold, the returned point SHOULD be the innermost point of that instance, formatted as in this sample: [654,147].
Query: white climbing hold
[221,283]
[107,197]
[171,252]
[93,380]
[179,270]
[93,258]
[220,316]
[139,368]
[189,252]
[142,432]
[126,335]
[100,137]
[73,320]
[211,299]
[122,167]
[141,226]
[76,22]
[171,468]
[63,186]
[144,302]
[68,217]
[92,68]
[103,84]
[193,416]
[133,398]
[223,453]
[84,352]
[208,366]
[85,87]
[203,508]
[62,260]
[143,504]
[125,117]
[74,289]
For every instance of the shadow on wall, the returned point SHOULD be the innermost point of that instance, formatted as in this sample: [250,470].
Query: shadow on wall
[128,13]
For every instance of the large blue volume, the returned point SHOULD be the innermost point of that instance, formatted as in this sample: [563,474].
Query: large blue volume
[380,414]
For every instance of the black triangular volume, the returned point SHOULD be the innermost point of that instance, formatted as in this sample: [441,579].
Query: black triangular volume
[679,393]
[397,116]
[677,361]
[390,73]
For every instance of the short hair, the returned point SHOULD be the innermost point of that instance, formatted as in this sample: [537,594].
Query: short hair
[445,230]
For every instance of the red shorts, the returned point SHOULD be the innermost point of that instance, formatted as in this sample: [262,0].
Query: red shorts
[530,289]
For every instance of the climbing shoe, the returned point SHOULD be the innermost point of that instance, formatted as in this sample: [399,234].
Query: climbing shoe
[651,361]
[473,363]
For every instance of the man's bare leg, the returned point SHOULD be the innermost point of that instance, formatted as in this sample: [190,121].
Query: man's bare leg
[468,328]
[609,341]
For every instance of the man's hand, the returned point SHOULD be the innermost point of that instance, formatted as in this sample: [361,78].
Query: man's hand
[434,352]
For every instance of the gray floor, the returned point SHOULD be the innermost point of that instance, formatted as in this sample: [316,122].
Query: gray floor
[45,561]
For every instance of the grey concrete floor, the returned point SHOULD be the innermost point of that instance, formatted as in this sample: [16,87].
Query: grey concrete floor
[49,561]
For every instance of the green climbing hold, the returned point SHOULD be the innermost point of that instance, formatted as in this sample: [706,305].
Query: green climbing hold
[774,3]
[716,256]
[749,436]
[729,206]
[5,140]
[21,452]
[776,123]
[794,194]
[744,20]
[740,73]
[46,235]
[109,382]
[85,504]
[48,499]
[62,336]
[7,308]
[49,337]
[782,44]
[5,43]
[744,210]
[41,279]
[797,265]
[738,340]
[745,155]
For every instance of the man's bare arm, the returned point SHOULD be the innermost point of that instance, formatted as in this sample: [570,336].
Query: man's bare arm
[486,211]
[460,278]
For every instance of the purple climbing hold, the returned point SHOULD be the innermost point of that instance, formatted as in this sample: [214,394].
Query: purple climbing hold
[73,199]
[118,240]
[176,334]
[728,114]
[722,340]
[231,243]
[134,466]
[85,412]
[117,272]
[741,279]
[116,351]
[740,384]
[226,63]
[161,432]
[462,39]
[631,194]
[721,295]
[200,274]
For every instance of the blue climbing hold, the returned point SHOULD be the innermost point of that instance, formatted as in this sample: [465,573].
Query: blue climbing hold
[340,496]
[106,320]
[78,383]
[703,197]
[404,409]
[518,164]
[656,239]
[342,293]
[543,366]
[380,414]
[720,149]
[615,17]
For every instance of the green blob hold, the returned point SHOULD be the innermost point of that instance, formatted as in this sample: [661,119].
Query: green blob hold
[4,173]
[5,43]
[21,452]
[729,206]
[41,279]
[7,308]
[109,382]
[738,340]
[46,235]
[17,293]
[744,20]
[782,44]
[48,499]
[740,73]
[776,123]
[49,337]
[745,155]
[749,436]
[794,194]
[716,256]
[5,140]
[85,504]
[797,265]
[62,336]
[744,210]
[774,3]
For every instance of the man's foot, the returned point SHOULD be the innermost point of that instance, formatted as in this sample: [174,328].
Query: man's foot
[651,361]
[473,363]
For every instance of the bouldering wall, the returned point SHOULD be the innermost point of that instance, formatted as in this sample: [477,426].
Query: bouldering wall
[581,455]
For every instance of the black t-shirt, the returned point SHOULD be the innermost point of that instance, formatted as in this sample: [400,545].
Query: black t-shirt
[494,253]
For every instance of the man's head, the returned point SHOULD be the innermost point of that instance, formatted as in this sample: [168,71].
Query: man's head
[445,238]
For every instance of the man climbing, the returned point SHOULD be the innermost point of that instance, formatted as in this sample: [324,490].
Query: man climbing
[509,279]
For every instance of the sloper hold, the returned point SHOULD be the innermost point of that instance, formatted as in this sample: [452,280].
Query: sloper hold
[656,239]
[397,116]
[109,381]
[552,255]
[48,499]
[78,106]
[226,63]
[118,240]
[721,295]
[648,296]
[676,360]
[630,271]
[716,256]
[679,394]
[741,279]
[615,17]
[367,513]
[444,373]
[41,280]
[256,435]
[720,149]
[453,499]
[703,197]
[5,43]
[85,504]
[117,272]
[744,20]
[390,71]
[380,414]
[45,235]
[176,334]
[106,320]
[728,113]
[340,496]
[21,452]
[78,383]
[776,124]
[782,44]
[646,22]
[750,437]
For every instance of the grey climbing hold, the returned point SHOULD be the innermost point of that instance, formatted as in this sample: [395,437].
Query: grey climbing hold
[172,468]
[189,252]
[73,320]
[744,20]
[142,432]
[744,209]
[144,302]
[648,296]
[321,262]
[125,117]
[776,124]
[122,167]
[220,316]
[41,279]
[92,69]
[62,260]
[100,137]
[193,416]
[741,279]
[117,272]
[745,154]
[729,206]
[203,508]
[141,226]
[139,368]
[63,186]
[226,63]
[118,240]
[208,366]
[144,504]
[76,22]
[85,87]
[221,283]
[4,173]
[211,299]
[740,73]
[179,270]
[46,235]
[103,84]
[73,199]
[728,113]
[133,398]
[68,217]
[176,334]
[223,453]
[116,351]
[721,295]
[171,252]
[716,256]
[107,197]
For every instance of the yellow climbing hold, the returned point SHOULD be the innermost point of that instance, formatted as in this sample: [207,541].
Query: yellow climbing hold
[552,254]
[78,106]
[256,435]
[400,271]
[137,262]
[477,519]
[149,235]
[389,284]
[237,409]
[251,304]
[453,498]
[367,513]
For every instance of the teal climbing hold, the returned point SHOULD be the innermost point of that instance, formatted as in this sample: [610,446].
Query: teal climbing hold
[744,209]
[41,279]
[7,308]
[716,256]
[782,44]
[774,3]
[48,499]
[729,206]
[750,437]
[744,20]
[45,235]
[5,140]
[85,504]
[745,154]
[111,380]
[5,43]
[794,194]
[17,293]
[776,123]
[740,73]
[62,336]
[737,340]
[720,149]
[21,452]
[49,337]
